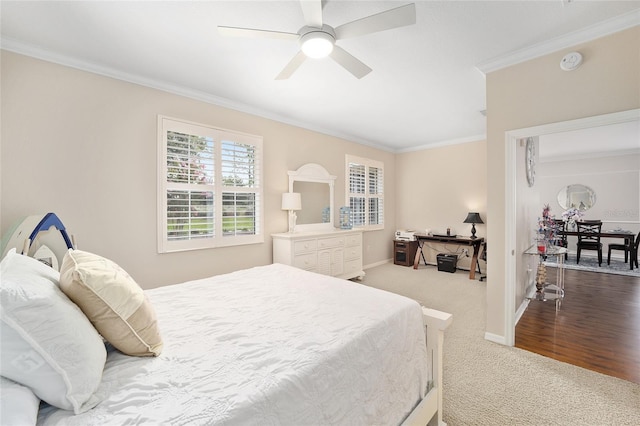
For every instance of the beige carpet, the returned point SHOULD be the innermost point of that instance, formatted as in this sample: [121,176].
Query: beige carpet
[489,384]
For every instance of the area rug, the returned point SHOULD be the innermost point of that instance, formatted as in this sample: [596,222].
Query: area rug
[588,263]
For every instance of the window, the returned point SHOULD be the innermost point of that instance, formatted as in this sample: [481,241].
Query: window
[365,192]
[210,187]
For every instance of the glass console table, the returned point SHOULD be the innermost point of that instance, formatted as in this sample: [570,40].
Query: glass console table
[545,290]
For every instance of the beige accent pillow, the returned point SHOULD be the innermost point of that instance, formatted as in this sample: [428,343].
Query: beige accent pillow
[114,303]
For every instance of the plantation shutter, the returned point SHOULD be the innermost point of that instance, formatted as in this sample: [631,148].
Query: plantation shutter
[357,192]
[210,191]
[376,193]
[190,190]
[366,192]
[240,179]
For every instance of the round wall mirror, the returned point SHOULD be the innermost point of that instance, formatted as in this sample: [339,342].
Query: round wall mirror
[579,196]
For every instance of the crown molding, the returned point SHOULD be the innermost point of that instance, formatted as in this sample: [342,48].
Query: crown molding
[37,52]
[604,28]
[439,144]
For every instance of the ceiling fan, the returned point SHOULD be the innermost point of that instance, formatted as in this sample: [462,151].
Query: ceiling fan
[318,40]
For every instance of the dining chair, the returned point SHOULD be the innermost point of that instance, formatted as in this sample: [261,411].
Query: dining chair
[589,238]
[633,255]
[559,227]
[626,248]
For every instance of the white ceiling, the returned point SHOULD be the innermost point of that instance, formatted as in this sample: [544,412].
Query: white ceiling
[426,88]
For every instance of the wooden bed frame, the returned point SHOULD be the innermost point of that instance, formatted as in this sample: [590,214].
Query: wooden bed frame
[429,410]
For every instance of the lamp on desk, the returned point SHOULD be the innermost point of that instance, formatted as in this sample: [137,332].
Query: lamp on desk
[473,218]
[292,201]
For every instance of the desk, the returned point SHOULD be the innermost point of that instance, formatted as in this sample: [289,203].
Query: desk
[466,241]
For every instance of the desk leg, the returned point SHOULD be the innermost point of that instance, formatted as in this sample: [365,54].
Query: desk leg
[474,261]
[416,259]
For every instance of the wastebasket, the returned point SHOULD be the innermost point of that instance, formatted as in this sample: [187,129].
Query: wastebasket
[447,262]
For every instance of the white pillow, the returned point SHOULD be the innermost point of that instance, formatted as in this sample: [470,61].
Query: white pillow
[18,405]
[47,343]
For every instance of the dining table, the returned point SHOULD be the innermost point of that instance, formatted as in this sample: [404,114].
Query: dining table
[628,236]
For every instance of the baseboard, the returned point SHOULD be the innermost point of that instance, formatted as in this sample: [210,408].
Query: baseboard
[373,265]
[495,338]
[523,307]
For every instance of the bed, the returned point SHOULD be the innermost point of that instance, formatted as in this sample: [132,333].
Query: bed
[270,345]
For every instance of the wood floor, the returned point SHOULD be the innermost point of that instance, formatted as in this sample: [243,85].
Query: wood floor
[597,326]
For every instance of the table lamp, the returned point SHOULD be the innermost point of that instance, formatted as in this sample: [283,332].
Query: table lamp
[292,201]
[473,218]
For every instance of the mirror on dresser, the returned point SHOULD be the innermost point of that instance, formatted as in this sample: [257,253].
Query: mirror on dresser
[315,244]
[316,200]
[316,186]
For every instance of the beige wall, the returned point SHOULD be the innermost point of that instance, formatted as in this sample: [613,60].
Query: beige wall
[538,92]
[436,188]
[84,146]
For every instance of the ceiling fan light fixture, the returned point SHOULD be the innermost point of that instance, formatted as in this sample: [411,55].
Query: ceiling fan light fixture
[317,44]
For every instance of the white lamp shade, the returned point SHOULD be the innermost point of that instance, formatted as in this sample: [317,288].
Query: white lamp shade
[291,201]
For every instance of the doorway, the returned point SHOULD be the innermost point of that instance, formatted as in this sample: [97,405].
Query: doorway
[515,305]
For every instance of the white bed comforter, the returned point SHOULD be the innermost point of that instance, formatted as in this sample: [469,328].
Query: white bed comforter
[271,345]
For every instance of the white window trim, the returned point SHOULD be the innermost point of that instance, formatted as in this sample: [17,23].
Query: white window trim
[166,123]
[367,163]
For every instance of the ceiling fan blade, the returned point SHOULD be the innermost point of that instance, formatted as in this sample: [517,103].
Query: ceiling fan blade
[312,11]
[292,66]
[393,18]
[252,33]
[349,62]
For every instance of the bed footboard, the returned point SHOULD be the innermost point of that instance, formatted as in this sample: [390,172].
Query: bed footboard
[425,413]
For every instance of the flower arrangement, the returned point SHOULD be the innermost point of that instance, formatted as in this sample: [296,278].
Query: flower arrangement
[571,215]
[546,230]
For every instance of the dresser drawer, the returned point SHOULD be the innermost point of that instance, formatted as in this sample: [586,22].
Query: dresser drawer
[353,240]
[324,243]
[352,266]
[351,253]
[304,246]
[305,261]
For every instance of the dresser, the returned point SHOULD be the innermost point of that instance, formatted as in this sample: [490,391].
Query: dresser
[337,253]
